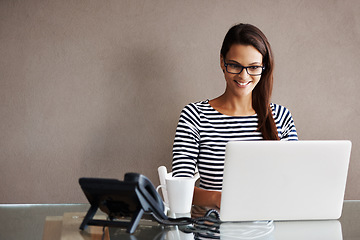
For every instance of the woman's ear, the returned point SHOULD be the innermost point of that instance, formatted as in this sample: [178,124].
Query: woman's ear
[222,63]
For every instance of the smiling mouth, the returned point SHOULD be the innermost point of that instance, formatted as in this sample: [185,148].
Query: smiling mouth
[242,83]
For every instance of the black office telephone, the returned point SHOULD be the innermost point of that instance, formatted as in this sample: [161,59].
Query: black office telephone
[129,198]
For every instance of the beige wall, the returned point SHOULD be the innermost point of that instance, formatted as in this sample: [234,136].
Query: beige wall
[95,88]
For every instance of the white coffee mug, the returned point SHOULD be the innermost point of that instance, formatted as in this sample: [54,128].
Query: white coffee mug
[180,191]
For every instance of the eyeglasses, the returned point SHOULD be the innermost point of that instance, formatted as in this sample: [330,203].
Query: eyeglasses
[237,69]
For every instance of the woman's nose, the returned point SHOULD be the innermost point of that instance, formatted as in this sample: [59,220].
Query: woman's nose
[244,74]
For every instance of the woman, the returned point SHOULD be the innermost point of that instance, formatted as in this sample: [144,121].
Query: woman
[243,112]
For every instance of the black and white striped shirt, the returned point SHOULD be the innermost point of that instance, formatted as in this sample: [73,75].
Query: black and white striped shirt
[202,134]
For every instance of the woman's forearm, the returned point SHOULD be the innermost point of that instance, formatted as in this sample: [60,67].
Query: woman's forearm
[206,198]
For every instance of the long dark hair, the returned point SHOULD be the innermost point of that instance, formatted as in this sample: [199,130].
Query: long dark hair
[247,34]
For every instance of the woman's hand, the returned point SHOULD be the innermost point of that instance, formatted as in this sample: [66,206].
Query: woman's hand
[206,198]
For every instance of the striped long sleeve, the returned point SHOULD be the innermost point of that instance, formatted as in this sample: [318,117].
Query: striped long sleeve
[202,134]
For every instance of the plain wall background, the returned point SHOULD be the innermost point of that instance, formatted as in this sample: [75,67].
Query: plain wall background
[95,88]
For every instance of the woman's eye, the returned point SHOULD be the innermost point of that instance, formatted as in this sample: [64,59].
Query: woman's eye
[235,66]
[254,67]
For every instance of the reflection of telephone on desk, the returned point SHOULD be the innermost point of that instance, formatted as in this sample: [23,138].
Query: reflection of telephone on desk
[129,198]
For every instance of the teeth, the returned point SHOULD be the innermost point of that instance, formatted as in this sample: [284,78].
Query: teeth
[241,84]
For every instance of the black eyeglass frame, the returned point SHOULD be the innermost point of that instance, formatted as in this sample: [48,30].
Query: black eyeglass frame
[242,68]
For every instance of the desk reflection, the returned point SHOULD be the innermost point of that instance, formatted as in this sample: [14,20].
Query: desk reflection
[310,230]
[262,230]
[295,230]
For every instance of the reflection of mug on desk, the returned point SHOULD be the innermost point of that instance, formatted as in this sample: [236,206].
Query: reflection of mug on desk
[175,234]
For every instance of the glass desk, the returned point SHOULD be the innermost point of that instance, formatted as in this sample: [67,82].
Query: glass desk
[62,221]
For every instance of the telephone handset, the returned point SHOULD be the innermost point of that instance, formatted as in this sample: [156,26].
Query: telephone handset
[151,201]
[129,198]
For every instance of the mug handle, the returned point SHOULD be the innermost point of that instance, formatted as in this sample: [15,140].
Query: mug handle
[166,205]
[160,186]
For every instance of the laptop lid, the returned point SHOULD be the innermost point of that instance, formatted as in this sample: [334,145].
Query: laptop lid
[284,180]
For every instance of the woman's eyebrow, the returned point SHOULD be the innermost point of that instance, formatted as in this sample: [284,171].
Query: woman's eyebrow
[234,61]
[253,63]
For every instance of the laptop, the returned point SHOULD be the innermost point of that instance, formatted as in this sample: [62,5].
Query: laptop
[284,180]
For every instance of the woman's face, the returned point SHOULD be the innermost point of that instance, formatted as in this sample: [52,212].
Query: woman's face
[241,84]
